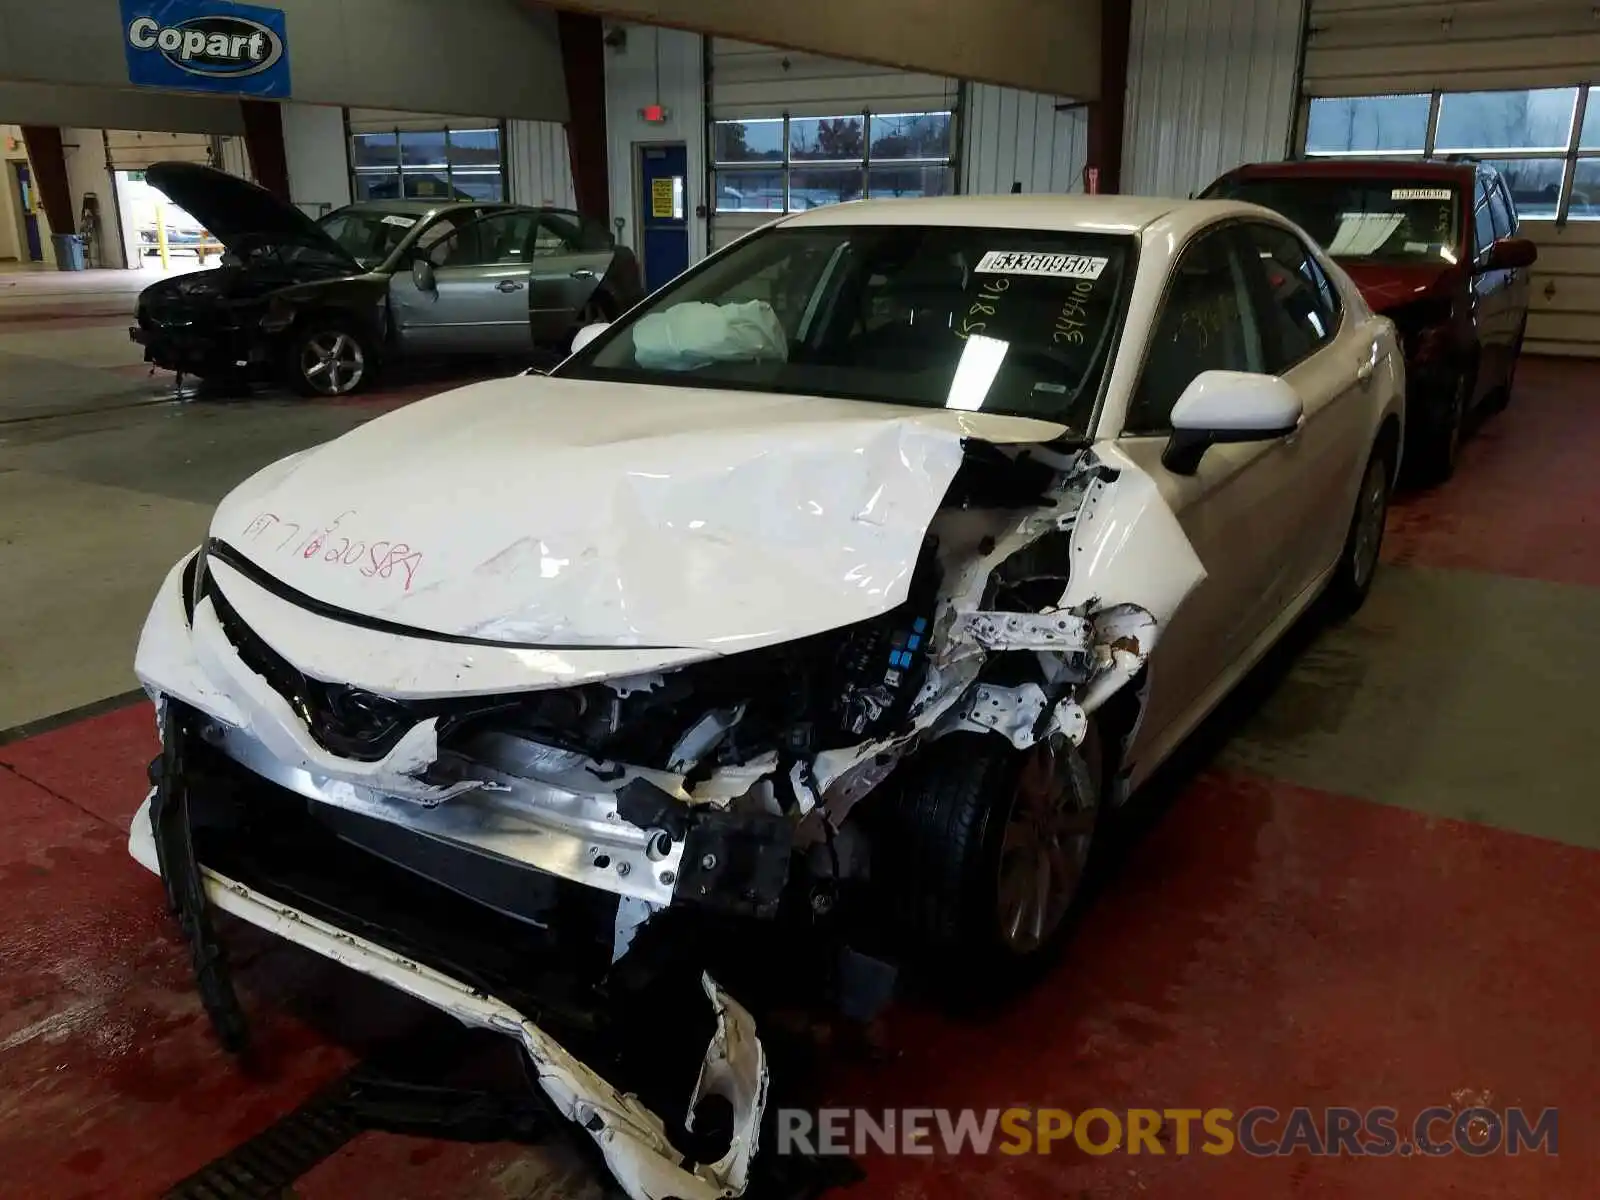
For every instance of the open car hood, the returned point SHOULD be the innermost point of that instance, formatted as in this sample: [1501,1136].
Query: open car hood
[233,209]
[552,512]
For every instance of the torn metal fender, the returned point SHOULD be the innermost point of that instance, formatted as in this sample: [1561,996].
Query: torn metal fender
[1132,569]
[631,1138]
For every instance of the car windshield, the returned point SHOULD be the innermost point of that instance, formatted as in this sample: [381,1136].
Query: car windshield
[1368,220]
[1010,321]
[368,235]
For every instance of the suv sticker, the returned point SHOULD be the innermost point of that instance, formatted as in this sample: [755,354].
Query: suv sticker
[1056,266]
[1421,194]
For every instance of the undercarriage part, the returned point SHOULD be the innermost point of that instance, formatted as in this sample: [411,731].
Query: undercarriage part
[736,863]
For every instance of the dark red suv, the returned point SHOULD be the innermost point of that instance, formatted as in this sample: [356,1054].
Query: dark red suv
[1434,247]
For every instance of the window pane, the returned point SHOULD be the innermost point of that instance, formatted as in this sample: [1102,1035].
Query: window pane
[478,185]
[1589,136]
[1586,190]
[422,148]
[836,138]
[1357,123]
[1534,184]
[924,180]
[748,141]
[374,150]
[812,187]
[377,185]
[475,147]
[427,185]
[1527,120]
[1391,219]
[911,135]
[749,191]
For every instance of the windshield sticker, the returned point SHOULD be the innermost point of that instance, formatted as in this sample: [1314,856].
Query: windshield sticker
[402,222]
[1069,325]
[1055,266]
[1421,194]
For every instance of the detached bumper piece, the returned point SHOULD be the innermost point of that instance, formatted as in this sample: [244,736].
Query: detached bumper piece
[224,838]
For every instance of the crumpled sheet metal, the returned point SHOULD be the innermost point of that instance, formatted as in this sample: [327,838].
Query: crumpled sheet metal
[631,1138]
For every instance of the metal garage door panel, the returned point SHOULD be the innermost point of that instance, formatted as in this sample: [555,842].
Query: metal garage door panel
[1367,47]
[1564,303]
[133,150]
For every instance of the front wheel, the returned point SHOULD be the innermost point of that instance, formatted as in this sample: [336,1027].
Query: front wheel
[328,358]
[985,848]
[1358,563]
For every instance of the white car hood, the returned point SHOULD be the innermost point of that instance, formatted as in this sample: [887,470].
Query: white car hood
[542,511]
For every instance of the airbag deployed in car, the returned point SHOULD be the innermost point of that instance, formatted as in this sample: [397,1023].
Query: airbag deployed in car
[694,334]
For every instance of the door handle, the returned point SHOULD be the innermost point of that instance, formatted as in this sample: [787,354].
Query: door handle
[583,273]
[1364,371]
[508,285]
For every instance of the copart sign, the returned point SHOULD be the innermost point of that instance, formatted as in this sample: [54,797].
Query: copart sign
[206,46]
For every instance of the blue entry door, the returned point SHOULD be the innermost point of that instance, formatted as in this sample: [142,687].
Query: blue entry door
[664,212]
[30,214]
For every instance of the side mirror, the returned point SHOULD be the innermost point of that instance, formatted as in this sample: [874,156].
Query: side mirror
[422,275]
[588,334]
[1228,406]
[1510,254]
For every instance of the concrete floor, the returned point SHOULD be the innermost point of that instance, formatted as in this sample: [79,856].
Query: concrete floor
[1374,881]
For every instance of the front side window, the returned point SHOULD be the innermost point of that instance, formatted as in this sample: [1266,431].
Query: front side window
[1482,221]
[1301,314]
[498,240]
[1008,321]
[1397,219]
[1206,323]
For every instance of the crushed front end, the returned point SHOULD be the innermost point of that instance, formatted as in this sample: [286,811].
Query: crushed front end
[599,860]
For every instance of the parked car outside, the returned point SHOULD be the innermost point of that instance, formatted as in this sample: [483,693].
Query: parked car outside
[1432,245]
[806,607]
[322,304]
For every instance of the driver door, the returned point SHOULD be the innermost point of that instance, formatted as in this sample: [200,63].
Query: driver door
[1232,508]
[479,299]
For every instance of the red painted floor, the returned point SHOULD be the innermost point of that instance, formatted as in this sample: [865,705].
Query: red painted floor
[1261,945]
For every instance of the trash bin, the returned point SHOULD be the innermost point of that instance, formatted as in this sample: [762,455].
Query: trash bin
[69,251]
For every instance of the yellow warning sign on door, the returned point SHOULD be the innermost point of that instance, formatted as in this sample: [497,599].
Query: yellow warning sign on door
[661,198]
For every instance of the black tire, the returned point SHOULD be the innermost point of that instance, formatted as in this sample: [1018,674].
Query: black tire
[349,370]
[939,848]
[1358,561]
[1434,452]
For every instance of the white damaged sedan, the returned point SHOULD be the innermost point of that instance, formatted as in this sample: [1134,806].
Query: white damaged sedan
[828,597]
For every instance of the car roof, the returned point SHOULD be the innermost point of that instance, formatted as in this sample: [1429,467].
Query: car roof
[1360,167]
[1068,214]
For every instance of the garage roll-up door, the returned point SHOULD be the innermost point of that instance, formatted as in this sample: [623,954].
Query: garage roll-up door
[793,131]
[134,150]
[1372,47]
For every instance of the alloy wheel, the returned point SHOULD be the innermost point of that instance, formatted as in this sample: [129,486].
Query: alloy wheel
[1372,509]
[1046,845]
[333,363]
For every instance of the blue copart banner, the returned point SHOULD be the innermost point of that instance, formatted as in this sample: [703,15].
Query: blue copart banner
[207,46]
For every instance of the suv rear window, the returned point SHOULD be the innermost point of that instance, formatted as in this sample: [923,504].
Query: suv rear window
[1369,220]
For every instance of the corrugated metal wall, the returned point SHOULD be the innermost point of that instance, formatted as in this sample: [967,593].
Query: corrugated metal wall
[541,169]
[1011,137]
[1211,84]
[1370,47]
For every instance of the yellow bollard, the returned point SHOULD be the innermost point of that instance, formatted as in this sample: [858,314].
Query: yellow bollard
[161,235]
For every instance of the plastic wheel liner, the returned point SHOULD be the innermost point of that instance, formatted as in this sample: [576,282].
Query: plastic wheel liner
[215,846]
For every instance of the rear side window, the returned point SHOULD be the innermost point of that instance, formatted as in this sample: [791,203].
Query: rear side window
[1299,308]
